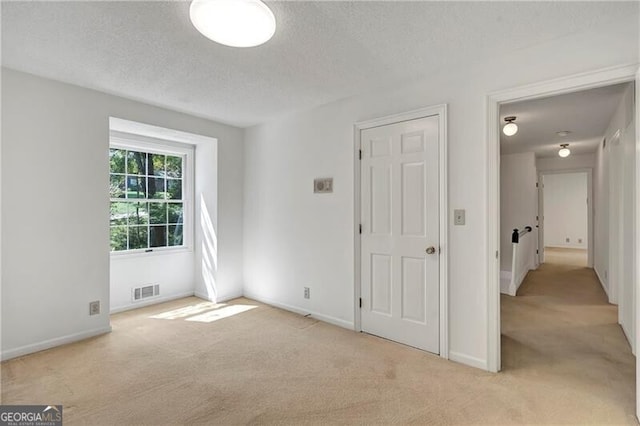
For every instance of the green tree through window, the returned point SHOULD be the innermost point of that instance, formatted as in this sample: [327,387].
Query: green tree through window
[147,204]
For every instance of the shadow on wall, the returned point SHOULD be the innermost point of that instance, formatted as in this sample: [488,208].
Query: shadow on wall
[209,251]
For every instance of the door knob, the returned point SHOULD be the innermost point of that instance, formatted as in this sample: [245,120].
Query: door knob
[431,250]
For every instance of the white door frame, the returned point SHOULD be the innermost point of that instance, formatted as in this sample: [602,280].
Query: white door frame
[441,112]
[590,205]
[636,275]
[589,80]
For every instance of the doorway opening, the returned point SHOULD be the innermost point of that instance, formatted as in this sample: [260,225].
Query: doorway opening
[565,218]
[566,288]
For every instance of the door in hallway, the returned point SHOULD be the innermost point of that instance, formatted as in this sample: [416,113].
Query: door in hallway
[400,232]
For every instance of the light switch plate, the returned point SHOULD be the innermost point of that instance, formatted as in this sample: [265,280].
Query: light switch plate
[459,217]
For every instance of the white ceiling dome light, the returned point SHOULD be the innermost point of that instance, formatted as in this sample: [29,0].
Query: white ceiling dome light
[510,128]
[235,23]
[564,151]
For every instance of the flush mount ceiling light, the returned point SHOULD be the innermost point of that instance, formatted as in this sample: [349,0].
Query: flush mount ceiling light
[510,128]
[563,133]
[564,151]
[235,23]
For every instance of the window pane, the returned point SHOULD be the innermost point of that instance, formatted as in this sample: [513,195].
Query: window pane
[136,162]
[118,238]
[138,213]
[174,166]
[147,190]
[116,161]
[175,235]
[119,213]
[174,189]
[158,236]
[155,166]
[175,212]
[156,188]
[116,186]
[158,213]
[136,187]
[137,237]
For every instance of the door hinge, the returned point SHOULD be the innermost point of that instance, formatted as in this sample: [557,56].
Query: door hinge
[497,254]
[360,228]
[537,252]
[360,154]
[536,217]
[536,184]
[360,303]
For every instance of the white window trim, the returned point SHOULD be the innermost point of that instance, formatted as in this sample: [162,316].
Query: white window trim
[121,140]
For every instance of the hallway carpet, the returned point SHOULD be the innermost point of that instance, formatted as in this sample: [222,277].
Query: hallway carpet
[566,256]
[561,331]
[192,362]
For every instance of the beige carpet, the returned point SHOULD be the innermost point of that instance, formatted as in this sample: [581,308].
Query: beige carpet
[561,332]
[188,362]
[565,256]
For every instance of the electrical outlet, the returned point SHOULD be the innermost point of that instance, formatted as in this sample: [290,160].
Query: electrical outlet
[567,240]
[459,216]
[94,308]
[307,293]
[579,240]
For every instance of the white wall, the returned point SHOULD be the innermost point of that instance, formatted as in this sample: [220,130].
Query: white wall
[615,207]
[518,204]
[605,163]
[55,242]
[601,219]
[293,239]
[565,210]
[174,273]
[627,312]
[572,162]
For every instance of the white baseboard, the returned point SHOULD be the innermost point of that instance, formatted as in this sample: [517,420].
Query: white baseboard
[604,287]
[151,301]
[511,288]
[223,298]
[51,343]
[627,335]
[505,282]
[468,360]
[569,246]
[519,280]
[326,318]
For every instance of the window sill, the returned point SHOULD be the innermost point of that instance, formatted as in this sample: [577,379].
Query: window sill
[159,251]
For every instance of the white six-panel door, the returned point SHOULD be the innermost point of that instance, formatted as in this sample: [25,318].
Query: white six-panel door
[400,227]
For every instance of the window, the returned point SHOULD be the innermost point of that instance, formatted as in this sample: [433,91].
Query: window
[149,197]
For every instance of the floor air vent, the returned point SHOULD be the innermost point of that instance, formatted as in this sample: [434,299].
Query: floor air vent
[140,293]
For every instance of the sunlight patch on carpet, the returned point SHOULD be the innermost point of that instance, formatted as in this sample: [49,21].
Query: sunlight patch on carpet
[221,313]
[188,311]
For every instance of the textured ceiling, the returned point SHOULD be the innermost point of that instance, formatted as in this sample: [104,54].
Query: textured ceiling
[322,51]
[585,114]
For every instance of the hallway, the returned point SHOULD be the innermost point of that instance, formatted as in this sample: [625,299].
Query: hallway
[560,330]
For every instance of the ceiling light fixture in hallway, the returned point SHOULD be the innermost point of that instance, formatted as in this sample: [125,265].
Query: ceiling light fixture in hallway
[510,128]
[564,150]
